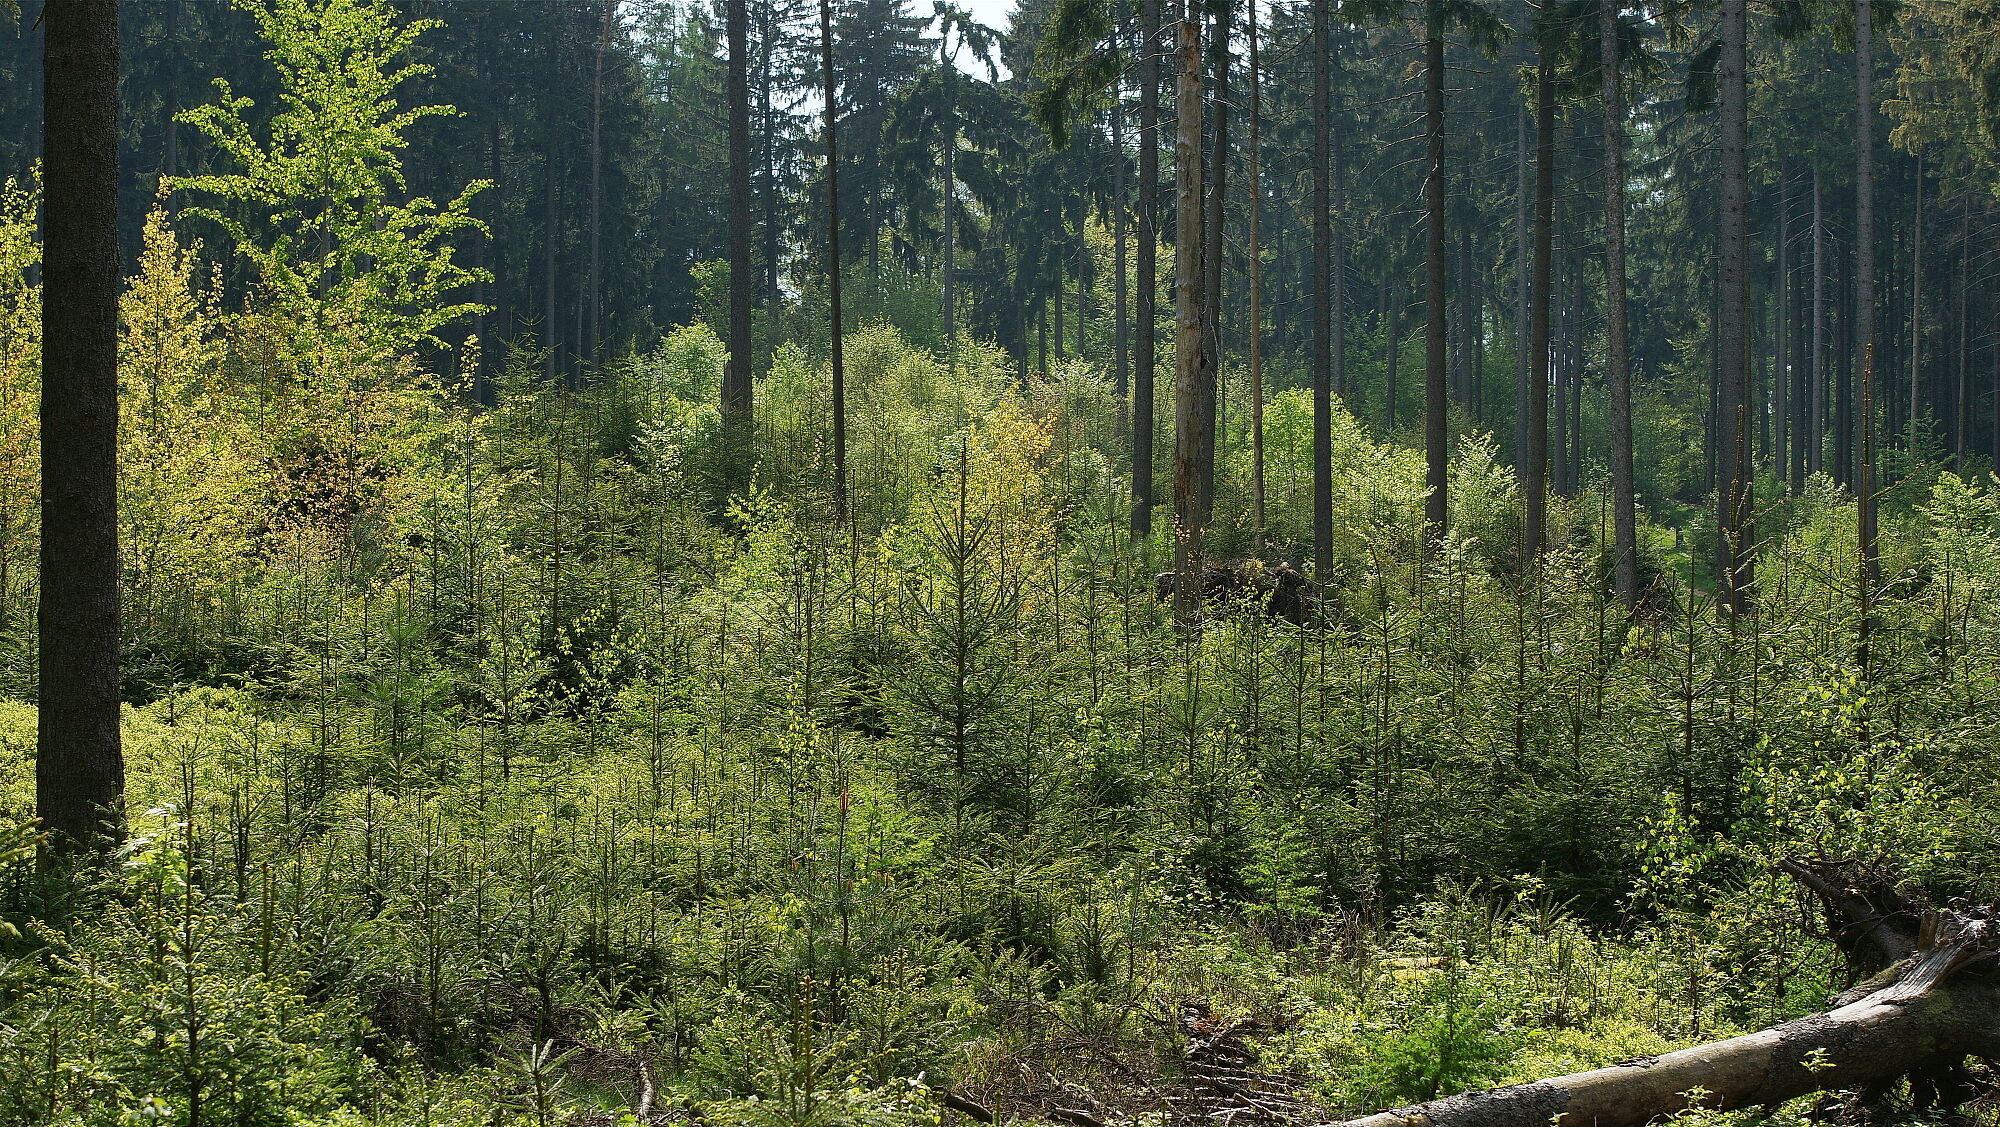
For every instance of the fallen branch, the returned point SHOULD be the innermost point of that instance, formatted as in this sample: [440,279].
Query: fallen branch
[1932,1007]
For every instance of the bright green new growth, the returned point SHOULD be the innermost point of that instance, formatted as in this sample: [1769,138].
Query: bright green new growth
[316,206]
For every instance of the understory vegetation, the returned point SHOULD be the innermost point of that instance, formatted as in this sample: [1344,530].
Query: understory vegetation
[492,758]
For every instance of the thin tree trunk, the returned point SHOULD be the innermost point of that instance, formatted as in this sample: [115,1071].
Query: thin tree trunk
[1539,352]
[1864,302]
[1523,237]
[1322,225]
[1781,290]
[950,195]
[1736,520]
[1121,373]
[1916,301]
[1146,313]
[737,399]
[739,153]
[1395,356]
[1437,503]
[1194,391]
[79,764]
[1214,210]
[1962,405]
[1618,359]
[1815,450]
[828,92]
[1256,188]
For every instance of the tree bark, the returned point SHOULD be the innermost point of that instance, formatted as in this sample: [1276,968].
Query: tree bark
[1256,189]
[79,764]
[1146,312]
[737,399]
[1539,354]
[1914,1017]
[1194,389]
[1736,520]
[1437,454]
[1322,225]
[1618,358]
[739,151]
[828,92]
[1864,299]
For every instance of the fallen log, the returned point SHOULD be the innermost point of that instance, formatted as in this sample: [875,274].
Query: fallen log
[1934,1004]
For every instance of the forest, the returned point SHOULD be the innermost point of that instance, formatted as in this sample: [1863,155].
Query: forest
[1114,563]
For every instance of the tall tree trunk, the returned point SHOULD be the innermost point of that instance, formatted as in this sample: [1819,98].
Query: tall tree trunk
[1815,450]
[829,94]
[1393,374]
[1146,313]
[1916,300]
[1962,400]
[1256,188]
[1194,389]
[1864,301]
[79,764]
[1121,373]
[1781,291]
[1437,453]
[1322,225]
[1214,210]
[737,399]
[739,152]
[1539,352]
[1618,358]
[1523,238]
[1736,520]
[1864,198]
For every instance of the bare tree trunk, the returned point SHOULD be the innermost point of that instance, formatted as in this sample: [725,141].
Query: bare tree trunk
[1437,468]
[1917,1018]
[1962,402]
[1539,353]
[1214,210]
[1618,358]
[737,399]
[1917,300]
[829,93]
[1194,389]
[593,331]
[1815,449]
[1522,255]
[79,763]
[1864,302]
[1256,187]
[1121,373]
[1146,313]
[1323,329]
[1736,521]
[1781,289]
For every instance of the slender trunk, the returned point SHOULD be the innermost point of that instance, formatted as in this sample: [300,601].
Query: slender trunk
[1214,209]
[828,93]
[950,200]
[1736,520]
[1781,292]
[1962,401]
[1120,331]
[79,765]
[552,337]
[1395,357]
[1146,313]
[1864,302]
[1437,503]
[1916,300]
[1539,352]
[1618,359]
[1322,225]
[1523,351]
[739,152]
[737,398]
[1256,188]
[1194,391]
[1816,448]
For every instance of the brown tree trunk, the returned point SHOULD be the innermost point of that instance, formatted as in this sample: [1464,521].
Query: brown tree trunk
[737,399]
[1256,188]
[1194,388]
[1322,281]
[1537,479]
[1146,313]
[828,92]
[1437,454]
[1736,520]
[79,763]
[1618,358]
